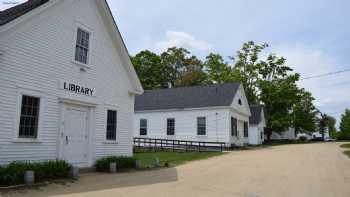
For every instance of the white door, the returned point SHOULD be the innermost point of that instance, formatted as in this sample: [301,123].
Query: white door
[75,138]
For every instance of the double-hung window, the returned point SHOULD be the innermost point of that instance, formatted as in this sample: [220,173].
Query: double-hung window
[82,46]
[201,126]
[246,134]
[111,133]
[28,126]
[143,127]
[170,126]
[234,131]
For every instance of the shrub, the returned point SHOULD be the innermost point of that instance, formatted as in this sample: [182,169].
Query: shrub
[13,173]
[303,138]
[102,165]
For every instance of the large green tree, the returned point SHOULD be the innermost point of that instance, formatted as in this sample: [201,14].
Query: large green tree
[304,113]
[345,122]
[150,70]
[218,70]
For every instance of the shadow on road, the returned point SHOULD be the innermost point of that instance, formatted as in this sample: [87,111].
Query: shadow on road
[99,181]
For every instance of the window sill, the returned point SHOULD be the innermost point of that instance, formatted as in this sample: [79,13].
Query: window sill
[26,140]
[110,142]
[82,65]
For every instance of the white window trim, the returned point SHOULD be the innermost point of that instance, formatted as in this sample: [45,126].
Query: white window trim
[206,127]
[141,127]
[114,108]
[78,25]
[42,105]
[166,127]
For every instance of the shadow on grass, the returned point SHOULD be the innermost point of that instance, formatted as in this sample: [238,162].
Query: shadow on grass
[97,182]
[345,146]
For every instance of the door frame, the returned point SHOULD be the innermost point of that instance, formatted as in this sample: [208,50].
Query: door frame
[90,109]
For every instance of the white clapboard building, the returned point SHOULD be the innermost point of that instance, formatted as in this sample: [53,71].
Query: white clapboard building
[257,124]
[213,113]
[67,85]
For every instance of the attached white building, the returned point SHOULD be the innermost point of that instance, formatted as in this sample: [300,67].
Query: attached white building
[213,113]
[67,85]
[257,124]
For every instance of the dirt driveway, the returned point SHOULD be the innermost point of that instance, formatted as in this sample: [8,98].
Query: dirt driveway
[313,170]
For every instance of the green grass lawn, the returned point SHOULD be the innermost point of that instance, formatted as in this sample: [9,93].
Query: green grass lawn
[347,152]
[345,146]
[172,158]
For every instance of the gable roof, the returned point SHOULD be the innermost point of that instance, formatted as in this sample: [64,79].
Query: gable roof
[12,13]
[256,110]
[187,97]
[17,11]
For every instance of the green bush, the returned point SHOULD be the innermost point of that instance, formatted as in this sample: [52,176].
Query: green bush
[343,136]
[102,165]
[13,174]
[303,138]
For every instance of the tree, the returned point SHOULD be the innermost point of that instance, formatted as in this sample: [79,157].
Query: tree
[150,70]
[218,70]
[248,65]
[323,124]
[182,68]
[345,125]
[304,113]
[331,126]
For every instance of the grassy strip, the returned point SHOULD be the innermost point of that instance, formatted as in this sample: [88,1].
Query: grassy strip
[347,153]
[172,158]
[345,146]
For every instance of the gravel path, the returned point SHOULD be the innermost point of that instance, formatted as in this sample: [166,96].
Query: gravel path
[312,170]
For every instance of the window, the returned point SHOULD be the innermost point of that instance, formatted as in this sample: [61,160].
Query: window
[234,127]
[239,101]
[246,129]
[143,127]
[82,46]
[28,126]
[201,126]
[170,126]
[111,125]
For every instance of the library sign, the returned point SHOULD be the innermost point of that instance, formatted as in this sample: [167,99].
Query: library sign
[77,88]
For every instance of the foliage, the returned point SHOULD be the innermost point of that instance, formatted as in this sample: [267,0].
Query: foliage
[102,165]
[13,174]
[302,138]
[268,81]
[304,113]
[172,158]
[345,122]
[331,127]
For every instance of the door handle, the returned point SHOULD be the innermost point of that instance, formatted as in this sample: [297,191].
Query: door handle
[67,140]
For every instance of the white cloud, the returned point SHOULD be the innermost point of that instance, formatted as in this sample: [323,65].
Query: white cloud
[182,39]
[331,92]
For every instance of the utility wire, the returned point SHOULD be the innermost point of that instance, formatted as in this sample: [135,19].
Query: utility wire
[326,74]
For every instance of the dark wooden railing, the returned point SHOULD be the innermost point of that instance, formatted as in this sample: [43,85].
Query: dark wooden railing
[153,144]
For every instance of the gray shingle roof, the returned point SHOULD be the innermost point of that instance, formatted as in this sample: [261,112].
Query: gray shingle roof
[12,13]
[255,118]
[187,97]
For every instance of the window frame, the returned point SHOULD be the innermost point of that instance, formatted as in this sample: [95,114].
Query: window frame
[143,127]
[172,127]
[79,25]
[37,118]
[234,127]
[201,126]
[107,125]
[246,129]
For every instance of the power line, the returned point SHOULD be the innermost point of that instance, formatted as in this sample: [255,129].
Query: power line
[326,74]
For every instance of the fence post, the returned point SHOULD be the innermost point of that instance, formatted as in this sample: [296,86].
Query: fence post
[173,146]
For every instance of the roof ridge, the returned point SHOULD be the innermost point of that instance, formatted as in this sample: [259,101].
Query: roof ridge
[194,86]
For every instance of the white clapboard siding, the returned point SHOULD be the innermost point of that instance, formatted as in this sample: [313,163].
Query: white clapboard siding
[37,54]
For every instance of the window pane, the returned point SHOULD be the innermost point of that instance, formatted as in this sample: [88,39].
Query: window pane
[82,46]
[201,126]
[28,125]
[111,132]
[170,126]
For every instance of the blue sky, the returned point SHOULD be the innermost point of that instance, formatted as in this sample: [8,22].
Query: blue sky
[312,35]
